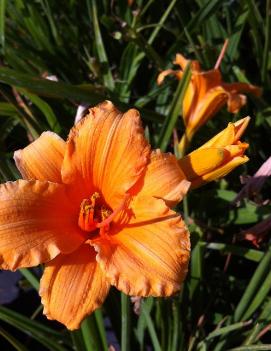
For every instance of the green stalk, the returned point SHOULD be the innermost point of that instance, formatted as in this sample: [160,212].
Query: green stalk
[100,325]
[175,110]
[253,335]
[261,294]
[107,75]
[266,43]
[151,329]
[176,325]
[184,144]
[252,348]
[14,342]
[161,22]
[185,209]
[125,322]
[255,282]
[2,25]
[30,277]
[77,340]
[89,333]
[225,330]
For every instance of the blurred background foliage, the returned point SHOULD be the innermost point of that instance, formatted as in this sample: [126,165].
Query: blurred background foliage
[56,55]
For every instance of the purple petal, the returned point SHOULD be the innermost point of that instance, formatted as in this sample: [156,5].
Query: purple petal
[8,286]
[255,183]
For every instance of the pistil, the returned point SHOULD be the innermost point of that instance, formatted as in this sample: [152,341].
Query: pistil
[95,215]
[109,219]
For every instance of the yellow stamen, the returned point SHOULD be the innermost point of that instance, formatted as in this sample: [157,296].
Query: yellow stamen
[93,215]
[86,219]
[105,213]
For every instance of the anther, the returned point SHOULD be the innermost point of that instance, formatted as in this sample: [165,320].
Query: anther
[105,213]
[93,215]
[86,220]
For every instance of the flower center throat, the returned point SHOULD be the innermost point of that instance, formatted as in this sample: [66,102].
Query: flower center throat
[92,213]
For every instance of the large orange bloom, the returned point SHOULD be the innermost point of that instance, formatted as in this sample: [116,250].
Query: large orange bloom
[207,94]
[96,211]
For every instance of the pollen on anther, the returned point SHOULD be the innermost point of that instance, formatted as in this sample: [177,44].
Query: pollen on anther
[86,220]
[92,212]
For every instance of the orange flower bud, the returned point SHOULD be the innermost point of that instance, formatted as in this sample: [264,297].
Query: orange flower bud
[216,158]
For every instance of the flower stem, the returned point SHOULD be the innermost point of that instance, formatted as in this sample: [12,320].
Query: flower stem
[30,277]
[90,334]
[125,322]
[185,209]
[183,145]
[151,328]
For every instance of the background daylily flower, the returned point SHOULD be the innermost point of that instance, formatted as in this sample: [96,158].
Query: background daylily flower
[257,233]
[252,190]
[254,184]
[96,211]
[206,95]
[216,158]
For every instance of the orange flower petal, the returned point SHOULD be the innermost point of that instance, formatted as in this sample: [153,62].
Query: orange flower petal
[206,93]
[149,256]
[222,139]
[167,72]
[182,61]
[236,150]
[107,152]
[42,159]
[240,127]
[164,179]
[189,102]
[37,222]
[240,87]
[206,81]
[230,135]
[202,85]
[73,286]
[235,102]
[202,161]
[206,107]
[221,171]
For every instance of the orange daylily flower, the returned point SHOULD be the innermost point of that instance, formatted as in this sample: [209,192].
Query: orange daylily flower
[216,158]
[97,211]
[207,93]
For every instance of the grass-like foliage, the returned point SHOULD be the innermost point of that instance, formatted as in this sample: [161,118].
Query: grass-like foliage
[105,49]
